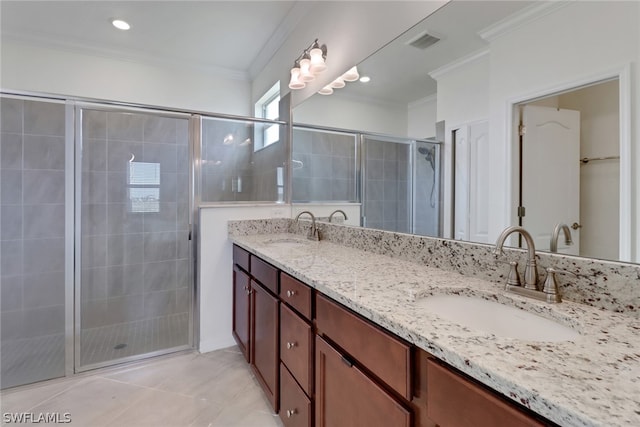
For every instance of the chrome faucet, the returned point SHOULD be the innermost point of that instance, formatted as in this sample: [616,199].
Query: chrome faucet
[338,211]
[553,246]
[531,270]
[313,232]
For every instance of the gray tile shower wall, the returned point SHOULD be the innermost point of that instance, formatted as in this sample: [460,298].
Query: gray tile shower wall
[606,285]
[32,198]
[324,166]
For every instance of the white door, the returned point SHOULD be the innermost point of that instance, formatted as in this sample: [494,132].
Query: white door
[551,174]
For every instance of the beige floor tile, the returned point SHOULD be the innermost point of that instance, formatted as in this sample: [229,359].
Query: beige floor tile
[213,378]
[21,399]
[249,409]
[161,408]
[93,401]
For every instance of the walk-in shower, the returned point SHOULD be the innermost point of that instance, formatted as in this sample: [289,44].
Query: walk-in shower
[96,256]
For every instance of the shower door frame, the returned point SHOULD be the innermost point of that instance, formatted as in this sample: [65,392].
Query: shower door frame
[78,107]
[363,136]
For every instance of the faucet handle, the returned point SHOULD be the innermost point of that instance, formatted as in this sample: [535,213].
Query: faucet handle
[551,284]
[513,279]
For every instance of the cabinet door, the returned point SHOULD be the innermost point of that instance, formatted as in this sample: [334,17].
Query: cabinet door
[241,311]
[346,396]
[454,401]
[264,341]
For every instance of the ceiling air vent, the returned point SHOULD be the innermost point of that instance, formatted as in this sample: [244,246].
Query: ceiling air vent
[423,41]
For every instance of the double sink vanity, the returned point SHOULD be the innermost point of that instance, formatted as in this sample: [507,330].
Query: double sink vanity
[347,327]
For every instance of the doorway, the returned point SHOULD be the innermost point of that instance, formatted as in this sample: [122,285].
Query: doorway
[573,183]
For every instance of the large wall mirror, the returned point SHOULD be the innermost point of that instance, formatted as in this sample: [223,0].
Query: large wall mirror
[538,101]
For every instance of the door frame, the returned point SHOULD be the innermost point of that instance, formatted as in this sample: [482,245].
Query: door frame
[623,75]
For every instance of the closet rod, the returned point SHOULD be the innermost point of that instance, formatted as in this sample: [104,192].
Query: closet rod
[589,159]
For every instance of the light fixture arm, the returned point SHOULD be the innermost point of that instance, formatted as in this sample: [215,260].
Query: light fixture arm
[313,45]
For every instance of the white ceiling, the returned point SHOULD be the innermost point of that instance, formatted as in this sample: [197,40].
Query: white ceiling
[226,36]
[237,38]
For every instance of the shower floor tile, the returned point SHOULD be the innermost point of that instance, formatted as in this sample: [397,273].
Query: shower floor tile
[29,360]
[123,340]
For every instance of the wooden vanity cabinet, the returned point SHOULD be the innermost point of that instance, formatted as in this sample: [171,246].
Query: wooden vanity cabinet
[256,315]
[319,362]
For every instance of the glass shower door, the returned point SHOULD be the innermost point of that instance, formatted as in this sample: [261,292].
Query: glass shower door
[133,242]
[387,183]
[34,201]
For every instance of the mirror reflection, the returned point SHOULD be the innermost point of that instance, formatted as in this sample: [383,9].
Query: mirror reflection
[535,115]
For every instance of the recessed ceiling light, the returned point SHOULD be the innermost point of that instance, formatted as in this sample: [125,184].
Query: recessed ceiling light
[365,79]
[120,24]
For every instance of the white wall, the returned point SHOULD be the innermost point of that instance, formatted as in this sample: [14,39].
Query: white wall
[31,68]
[345,112]
[215,262]
[422,117]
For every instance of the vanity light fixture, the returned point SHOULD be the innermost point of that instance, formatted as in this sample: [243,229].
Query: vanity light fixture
[120,24]
[327,90]
[308,65]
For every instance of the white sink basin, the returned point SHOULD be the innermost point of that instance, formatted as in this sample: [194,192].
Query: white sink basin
[287,243]
[495,318]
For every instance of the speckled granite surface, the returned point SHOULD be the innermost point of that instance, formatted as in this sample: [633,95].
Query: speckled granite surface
[609,285]
[592,381]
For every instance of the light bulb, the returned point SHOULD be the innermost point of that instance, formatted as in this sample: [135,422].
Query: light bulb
[120,24]
[365,79]
[305,73]
[295,82]
[317,61]
[351,75]
[337,83]
[327,90]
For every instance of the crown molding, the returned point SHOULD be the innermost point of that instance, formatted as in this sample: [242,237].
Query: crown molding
[522,18]
[425,100]
[129,55]
[473,56]
[277,39]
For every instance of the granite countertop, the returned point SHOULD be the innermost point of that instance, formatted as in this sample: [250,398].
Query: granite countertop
[592,381]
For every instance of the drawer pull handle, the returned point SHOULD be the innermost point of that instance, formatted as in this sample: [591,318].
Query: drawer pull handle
[346,361]
[291,293]
[290,345]
[291,412]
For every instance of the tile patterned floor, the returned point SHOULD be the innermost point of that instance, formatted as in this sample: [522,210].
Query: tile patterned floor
[29,360]
[214,389]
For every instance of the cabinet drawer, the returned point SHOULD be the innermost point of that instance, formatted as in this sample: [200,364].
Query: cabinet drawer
[241,257]
[347,397]
[296,294]
[386,356]
[296,347]
[264,273]
[295,406]
[454,401]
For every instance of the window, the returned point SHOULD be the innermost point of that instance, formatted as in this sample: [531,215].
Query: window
[144,187]
[268,107]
